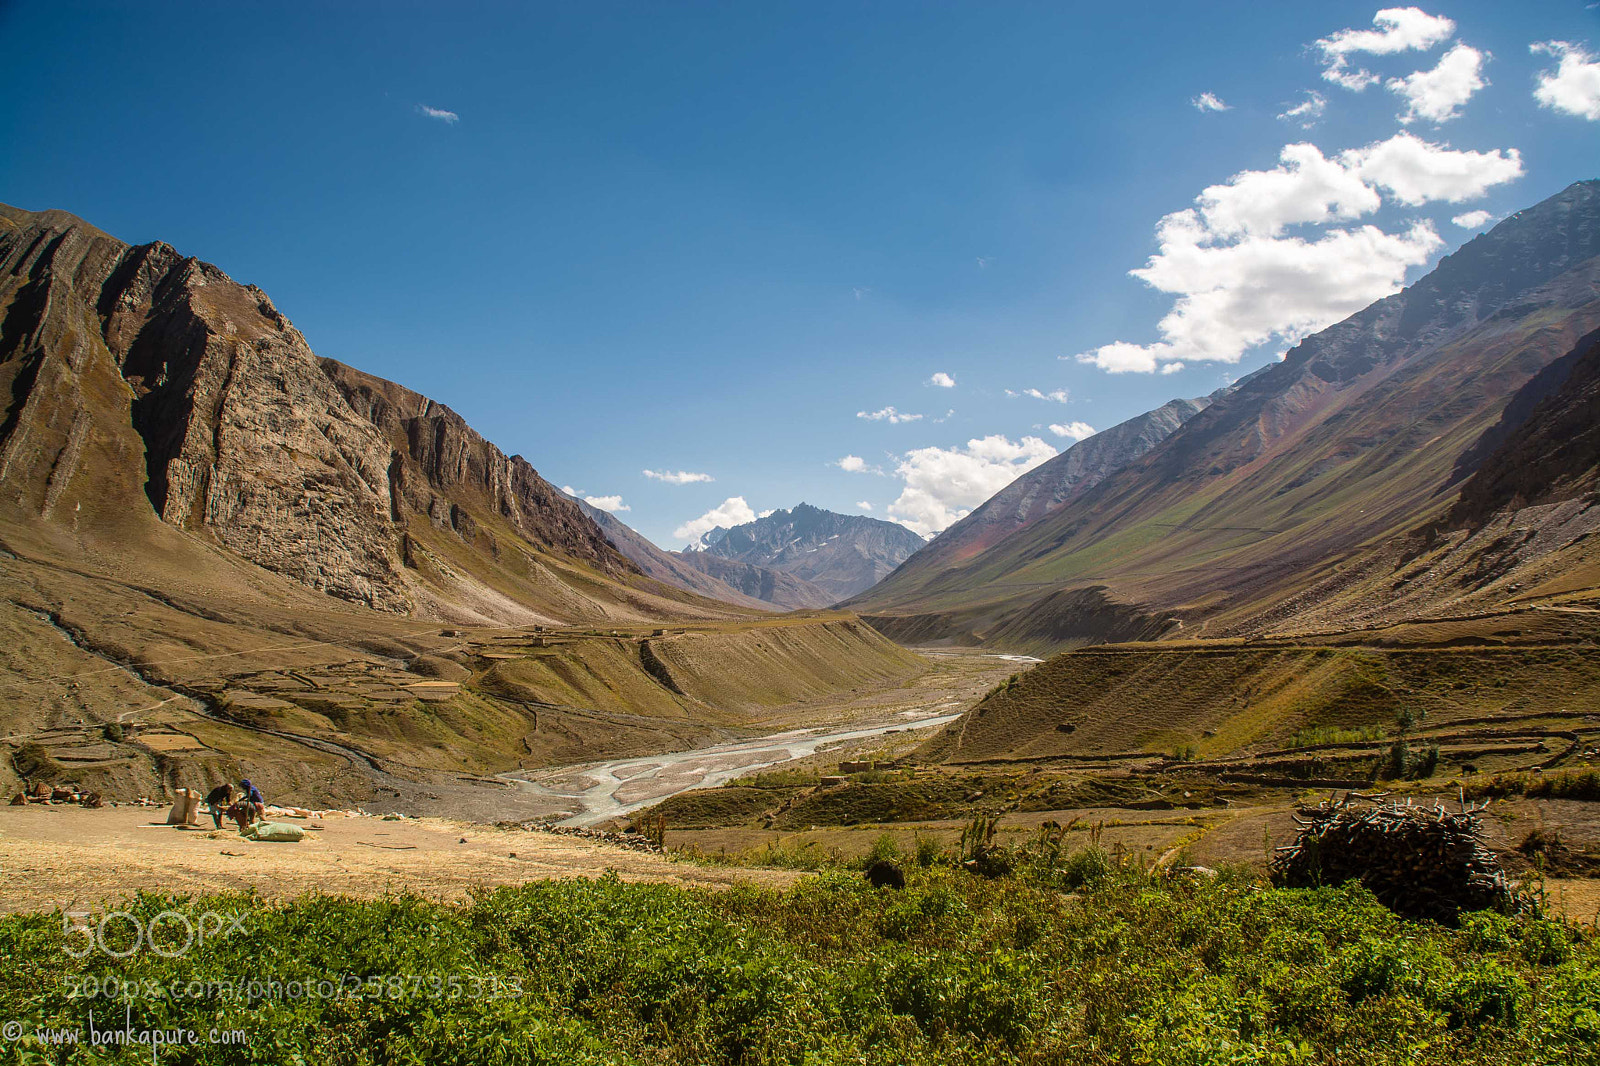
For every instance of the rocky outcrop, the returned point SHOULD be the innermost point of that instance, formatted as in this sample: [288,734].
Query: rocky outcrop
[248,440]
[438,463]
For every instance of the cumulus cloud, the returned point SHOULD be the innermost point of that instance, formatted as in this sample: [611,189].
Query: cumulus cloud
[854,464]
[864,505]
[1209,102]
[1241,281]
[733,511]
[943,380]
[1472,219]
[887,414]
[942,485]
[1417,172]
[449,118]
[1573,88]
[1171,368]
[1077,430]
[1308,111]
[604,503]
[1398,29]
[677,477]
[1438,94]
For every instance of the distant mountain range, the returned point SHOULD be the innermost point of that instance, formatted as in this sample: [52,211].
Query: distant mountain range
[1336,487]
[787,560]
[838,553]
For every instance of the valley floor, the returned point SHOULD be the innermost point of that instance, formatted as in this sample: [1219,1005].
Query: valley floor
[69,857]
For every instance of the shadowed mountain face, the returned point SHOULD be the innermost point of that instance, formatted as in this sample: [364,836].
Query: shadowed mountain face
[840,554]
[1546,446]
[1259,508]
[145,387]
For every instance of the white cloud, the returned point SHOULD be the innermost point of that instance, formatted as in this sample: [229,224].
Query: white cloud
[1308,111]
[1574,86]
[1472,219]
[1171,368]
[729,513]
[1306,187]
[864,505]
[769,510]
[449,118]
[942,485]
[604,503]
[854,464]
[677,477]
[1399,29]
[1078,430]
[943,380]
[1417,172]
[887,414]
[1054,395]
[1240,281]
[1209,102]
[1437,94]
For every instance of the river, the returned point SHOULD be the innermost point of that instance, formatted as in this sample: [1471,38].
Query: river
[610,789]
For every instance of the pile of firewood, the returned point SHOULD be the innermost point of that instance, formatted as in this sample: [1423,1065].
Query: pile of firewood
[1420,861]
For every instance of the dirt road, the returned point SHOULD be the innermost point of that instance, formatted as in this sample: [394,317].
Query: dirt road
[70,857]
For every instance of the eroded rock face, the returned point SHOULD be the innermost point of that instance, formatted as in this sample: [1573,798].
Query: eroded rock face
[437,461]
[251,441]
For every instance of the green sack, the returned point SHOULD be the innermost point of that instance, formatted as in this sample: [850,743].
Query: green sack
[279,832]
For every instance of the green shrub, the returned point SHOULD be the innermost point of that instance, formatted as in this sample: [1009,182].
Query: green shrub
[1137,968]
[1087,866]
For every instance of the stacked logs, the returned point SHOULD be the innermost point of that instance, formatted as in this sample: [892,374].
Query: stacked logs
[1421,862]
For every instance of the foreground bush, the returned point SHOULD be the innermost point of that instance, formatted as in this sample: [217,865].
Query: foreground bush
[953,969]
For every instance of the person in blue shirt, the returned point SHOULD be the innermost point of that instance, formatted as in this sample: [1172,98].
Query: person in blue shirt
[251,807]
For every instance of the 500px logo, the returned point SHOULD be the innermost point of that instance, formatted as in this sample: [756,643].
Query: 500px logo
[121,934]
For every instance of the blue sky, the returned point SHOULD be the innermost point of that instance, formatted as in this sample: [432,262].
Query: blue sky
[713,238]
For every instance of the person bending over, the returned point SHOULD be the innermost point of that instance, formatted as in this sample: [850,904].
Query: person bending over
[218,800]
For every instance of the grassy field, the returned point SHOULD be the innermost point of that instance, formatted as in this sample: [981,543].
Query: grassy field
[1123,968]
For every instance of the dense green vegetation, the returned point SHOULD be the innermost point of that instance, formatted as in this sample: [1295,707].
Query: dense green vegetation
[1131,969]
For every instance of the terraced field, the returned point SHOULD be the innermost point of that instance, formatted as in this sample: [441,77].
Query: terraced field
[425,727]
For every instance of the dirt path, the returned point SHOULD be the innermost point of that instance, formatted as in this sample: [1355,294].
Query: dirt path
[66,856]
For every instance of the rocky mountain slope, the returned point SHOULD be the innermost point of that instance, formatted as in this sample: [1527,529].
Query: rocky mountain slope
[840,554]
[1295,483]
[1046,489]
[148,387]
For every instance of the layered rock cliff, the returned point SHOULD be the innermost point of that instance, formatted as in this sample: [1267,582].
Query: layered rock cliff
[145,383]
